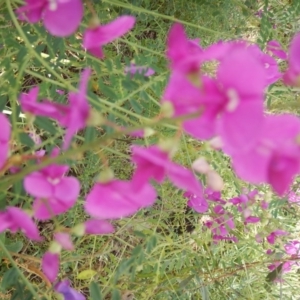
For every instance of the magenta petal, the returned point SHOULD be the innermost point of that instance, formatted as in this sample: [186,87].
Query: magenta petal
[65,19]
[241,128]
[94,38]
[64,239]
[50,265]
[37,185]
[184,179]
[67,189]
[199,204]
[5,129]
[20,220]
[282,171]
[98,227]
[276,49]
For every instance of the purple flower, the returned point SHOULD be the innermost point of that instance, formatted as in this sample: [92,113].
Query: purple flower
[64,287]
[251,219]
[55,193]
[50,265]
[4,139]
[153,163]
[16,219]
[198,203]
[133,69]
[95,38]
[292,248]
[54,14]
[117,199]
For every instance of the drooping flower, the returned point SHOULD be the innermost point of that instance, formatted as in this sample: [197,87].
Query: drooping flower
[134,69]
[64,287]
[55,193]
[4,139]
[153,163]
[95,38]
[117,199]
[275,158]
[54,14]
[16,219]
[292,75]
[50,265]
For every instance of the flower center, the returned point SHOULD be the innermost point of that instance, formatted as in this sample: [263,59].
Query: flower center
[233,100]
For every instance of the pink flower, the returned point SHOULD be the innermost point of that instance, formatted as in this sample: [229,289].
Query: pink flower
[184,54]
[292,75]
[4,139]
[117,199]
[55,193]
[275,48]
[50,265]
[198,203]
[273,235]
[275,158]
[292,248]
[16,219]
[293,197]
[95,38]
[94,226]
[153,163]
[133,69]
[78,109]
[54,14]
[63,287]
[49,109]
[251,219]
[64,239]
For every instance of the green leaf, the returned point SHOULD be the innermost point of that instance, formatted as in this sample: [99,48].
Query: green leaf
[95,291]
[15,247]
[86,274]
[9,279]
[274,274]
[90,134]
[45,124]
[116,295]
[25,139]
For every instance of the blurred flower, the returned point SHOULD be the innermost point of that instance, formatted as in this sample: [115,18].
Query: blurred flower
[198,203]
[275,48]
[16,219]
[54,14]
[4,139]
[50,265]
[95,38]
[292,75]
[153,163]
[275,159]
[64,240]
[94,226]
[117,199]
[63,287]
[133,69]
[273,235]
